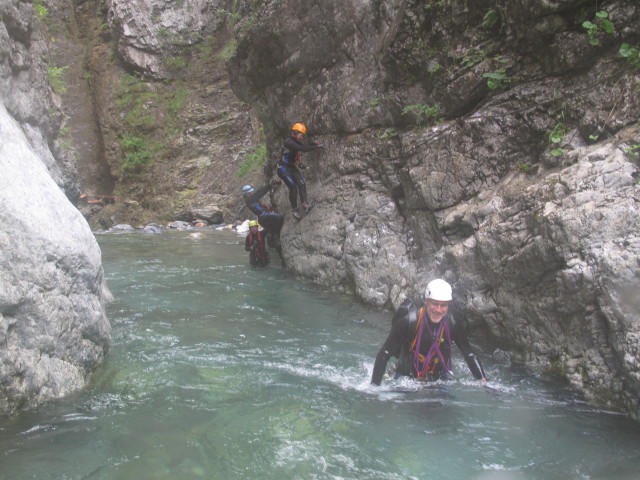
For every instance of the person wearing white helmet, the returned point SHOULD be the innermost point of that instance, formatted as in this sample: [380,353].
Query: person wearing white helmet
[422,338]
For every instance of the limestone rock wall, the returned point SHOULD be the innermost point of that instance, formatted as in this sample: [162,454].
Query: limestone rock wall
[490,143]
[53,328]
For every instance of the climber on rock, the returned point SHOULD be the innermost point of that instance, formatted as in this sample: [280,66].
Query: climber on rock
[289,168]
[270,221]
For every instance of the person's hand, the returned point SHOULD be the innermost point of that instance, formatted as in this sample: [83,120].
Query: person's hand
[318,145]
[301,165]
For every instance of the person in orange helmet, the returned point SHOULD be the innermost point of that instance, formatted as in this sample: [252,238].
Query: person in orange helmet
[289,168]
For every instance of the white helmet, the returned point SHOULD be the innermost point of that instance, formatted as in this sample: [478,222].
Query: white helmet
[247,189]
[438,290]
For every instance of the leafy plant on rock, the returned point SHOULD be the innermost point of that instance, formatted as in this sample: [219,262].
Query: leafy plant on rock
[40,10]
[555,138]
[631,53]
[600,26]
[424,113]
[137,154]
[56,79]
[253,160]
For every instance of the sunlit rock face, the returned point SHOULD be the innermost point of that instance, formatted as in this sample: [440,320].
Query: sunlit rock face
[53,328]
[489,143]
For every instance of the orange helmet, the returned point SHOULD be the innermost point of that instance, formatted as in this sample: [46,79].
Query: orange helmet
[299,127]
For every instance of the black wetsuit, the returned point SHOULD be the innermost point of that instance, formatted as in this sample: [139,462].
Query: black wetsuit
[270,221]
[288,169]
[255,244]
[398,344]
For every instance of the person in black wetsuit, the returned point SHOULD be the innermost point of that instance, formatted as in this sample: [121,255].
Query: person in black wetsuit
[422,339]
[290,164]
[270,221]
[255,244]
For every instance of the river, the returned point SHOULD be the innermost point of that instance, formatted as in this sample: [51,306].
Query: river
[221,371]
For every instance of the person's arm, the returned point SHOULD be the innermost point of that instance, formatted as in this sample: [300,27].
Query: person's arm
[391,347]
[291,144]
[473,362]
[247,246]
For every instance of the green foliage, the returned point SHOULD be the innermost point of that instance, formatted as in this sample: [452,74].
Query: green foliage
[137,154]
[473,57]
[555,138]
[497,78]
[600,26]
[176,64]
[437,4]
[524,166]
[490,18]
[388,133]
[423,113]
[631,53]
[253,161]
[633,152]
[229,50]
[435,68]
[40,10]
[135,98]
[64,138]
[177,102]
[56,79]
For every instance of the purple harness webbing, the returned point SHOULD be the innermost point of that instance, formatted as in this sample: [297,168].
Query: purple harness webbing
[435,346]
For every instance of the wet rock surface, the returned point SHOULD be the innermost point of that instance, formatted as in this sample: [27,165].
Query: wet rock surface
[488,143]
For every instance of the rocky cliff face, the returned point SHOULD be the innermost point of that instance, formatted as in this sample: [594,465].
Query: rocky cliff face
[490,143]
[168,126]
[53,328]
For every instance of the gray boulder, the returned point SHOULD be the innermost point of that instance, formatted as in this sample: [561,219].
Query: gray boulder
[53,328]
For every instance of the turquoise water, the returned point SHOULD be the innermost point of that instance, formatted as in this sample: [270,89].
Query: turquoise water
[221,371]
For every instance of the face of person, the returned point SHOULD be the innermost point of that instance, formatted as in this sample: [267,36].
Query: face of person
[298,135]
[253,228]
[436,310]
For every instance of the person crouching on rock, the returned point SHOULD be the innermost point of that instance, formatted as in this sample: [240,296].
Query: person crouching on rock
[269,220]
[256,246]
[289,167]
[422,339]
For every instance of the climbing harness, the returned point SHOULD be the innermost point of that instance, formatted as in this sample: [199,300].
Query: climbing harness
[434,356]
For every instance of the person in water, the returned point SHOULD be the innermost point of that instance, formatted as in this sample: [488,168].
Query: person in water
[289,168]
[256,246]
[422,339]
[269,220]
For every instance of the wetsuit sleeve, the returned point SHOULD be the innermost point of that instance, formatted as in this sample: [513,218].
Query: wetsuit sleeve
[247,246]
[391,347]
[473,362]
[290,143]
[253,199]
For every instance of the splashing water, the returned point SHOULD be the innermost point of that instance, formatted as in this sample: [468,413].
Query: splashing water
[221,371]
